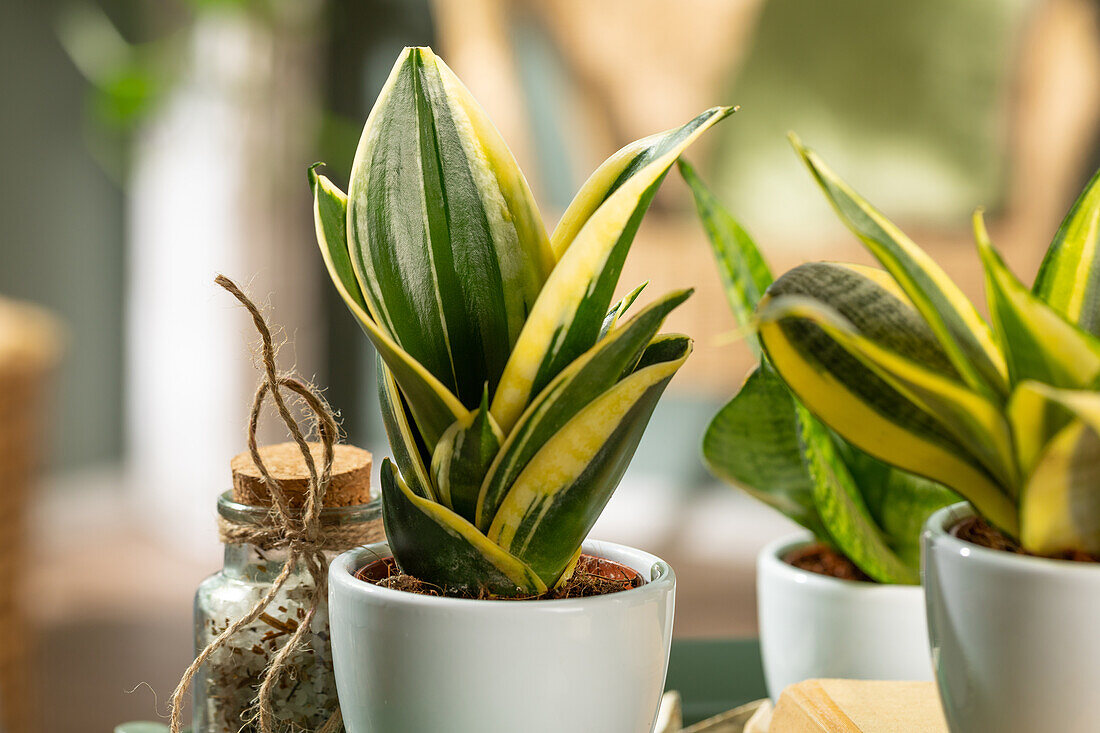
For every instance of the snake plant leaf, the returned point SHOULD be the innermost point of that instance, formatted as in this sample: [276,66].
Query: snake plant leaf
[557,497]
[408,450]
[433,406]
[570,568]
[753,443]
[1060,502]
[445,237]
[436,545]
[1038,341]
[568,314]
[628,161]
[1069,278]
[899,501]
[1035,419]
[330,211]
[965,337]
[976,423]
[1058,507]
[619,308]
[842,508]
[745,275]
[828,362]
[589,376]
[462,457]
[908,360]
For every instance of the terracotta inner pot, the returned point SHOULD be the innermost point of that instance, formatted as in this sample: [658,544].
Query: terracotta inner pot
[593,576]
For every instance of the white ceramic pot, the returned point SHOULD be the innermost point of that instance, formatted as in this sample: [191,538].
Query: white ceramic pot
[1015,639]
[408,663]
[815,626]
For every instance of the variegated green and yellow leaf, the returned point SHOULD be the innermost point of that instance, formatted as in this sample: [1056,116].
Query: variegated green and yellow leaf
[627,162]
[434,407]
[1038,342]
[556,499]
[462,457]
[619,308]
[592,242]
[1069,278]
[834,379]
[1035,419]
[409,451]
[975,423]
[842,508]
[570,568]
[587,378]
[745,275]
[330,211]
[435,545]
[1060,502]
[964,336]
[753,443]
[445,237]
[900,502]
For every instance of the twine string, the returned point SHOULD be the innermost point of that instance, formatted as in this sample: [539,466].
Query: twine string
[299,533]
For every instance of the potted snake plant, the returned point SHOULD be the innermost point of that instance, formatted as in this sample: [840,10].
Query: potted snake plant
[514,395]
[900,363]
[842,598]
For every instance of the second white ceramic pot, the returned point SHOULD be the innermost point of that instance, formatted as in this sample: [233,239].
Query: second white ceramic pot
[814,626]
[1015,639]
[412,663]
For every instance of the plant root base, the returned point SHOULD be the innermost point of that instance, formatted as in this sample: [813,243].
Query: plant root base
[593,576]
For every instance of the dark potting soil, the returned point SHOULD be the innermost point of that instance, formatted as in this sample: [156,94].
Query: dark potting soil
[824,560]
[593,576]
[980,532]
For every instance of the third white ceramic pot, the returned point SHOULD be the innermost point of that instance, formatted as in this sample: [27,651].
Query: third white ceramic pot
[408,663]
[814,626]
[1015,639]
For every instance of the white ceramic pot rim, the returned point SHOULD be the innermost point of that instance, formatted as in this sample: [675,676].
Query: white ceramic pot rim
[937,530]
[771,561]
[661,579]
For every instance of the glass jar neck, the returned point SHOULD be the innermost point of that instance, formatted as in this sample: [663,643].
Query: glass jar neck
[250,563]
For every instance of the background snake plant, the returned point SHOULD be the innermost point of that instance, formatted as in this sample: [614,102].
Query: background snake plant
[513,393]
[765,441]
[901,364]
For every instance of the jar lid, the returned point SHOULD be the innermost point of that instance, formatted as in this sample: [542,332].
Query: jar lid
[350,475]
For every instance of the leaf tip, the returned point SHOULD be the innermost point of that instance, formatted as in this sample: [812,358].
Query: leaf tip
[981,234]
[311,173]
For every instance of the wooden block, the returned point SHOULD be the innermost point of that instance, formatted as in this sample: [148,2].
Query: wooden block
[761,720]
[670,717]
[350,475]
[858,706]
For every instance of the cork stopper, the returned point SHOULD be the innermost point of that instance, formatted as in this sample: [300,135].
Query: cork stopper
[350,475]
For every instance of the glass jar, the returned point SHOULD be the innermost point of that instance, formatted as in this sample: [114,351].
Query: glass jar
[227,684]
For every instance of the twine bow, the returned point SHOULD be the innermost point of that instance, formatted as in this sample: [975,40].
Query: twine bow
[299,533]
